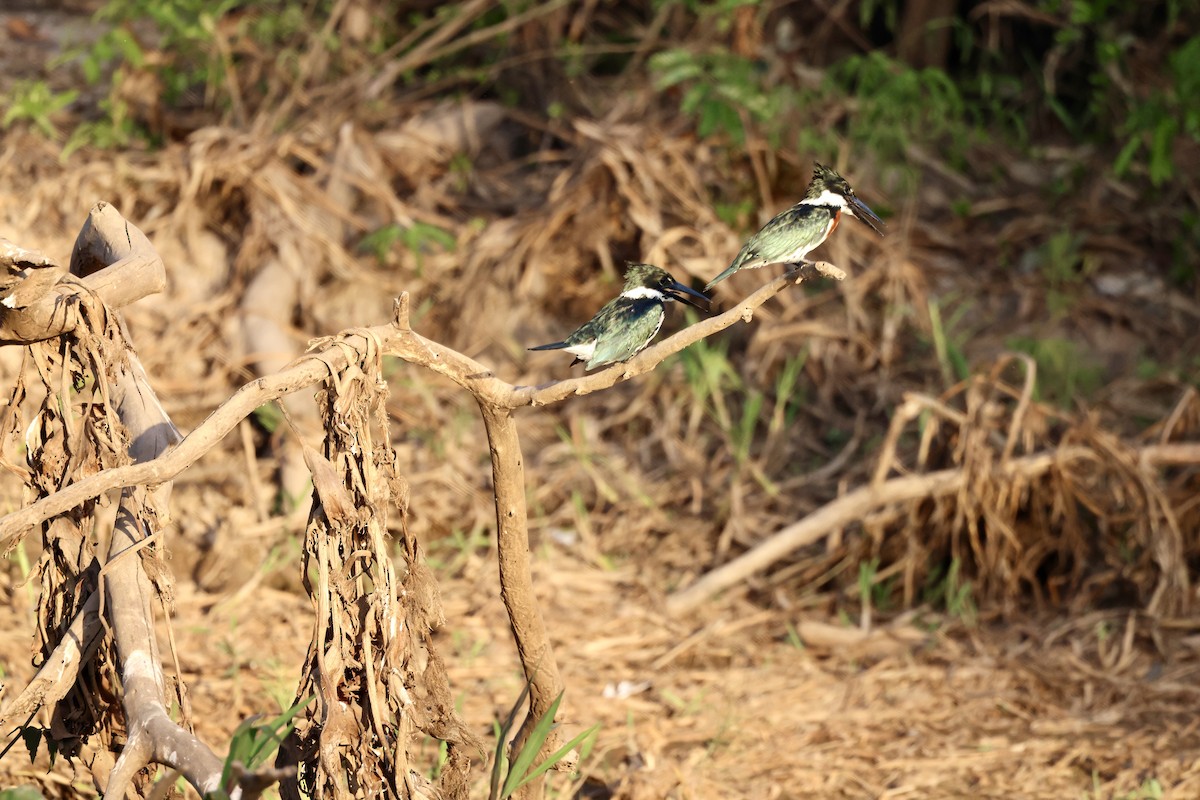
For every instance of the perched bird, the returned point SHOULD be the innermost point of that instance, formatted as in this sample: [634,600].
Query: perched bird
[626,324]
[789,237]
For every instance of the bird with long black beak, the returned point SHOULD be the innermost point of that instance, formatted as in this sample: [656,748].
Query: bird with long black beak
[625,325]
[792,235]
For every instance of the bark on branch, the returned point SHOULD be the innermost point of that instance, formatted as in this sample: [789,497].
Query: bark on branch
[40,306]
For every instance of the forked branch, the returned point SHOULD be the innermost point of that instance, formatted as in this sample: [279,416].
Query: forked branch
[496,398]
[396,341]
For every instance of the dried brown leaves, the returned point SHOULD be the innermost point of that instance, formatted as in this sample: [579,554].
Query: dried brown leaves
[1036,484]
[371,666]
[72,433]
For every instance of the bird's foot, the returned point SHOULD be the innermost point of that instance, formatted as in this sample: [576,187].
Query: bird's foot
[822,268]
[795,269]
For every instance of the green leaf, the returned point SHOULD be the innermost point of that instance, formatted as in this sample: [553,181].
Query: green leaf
[520,773]
[252,743]
[1162,166]
[1125,157]
[269,416]
[558,754]
[673,67]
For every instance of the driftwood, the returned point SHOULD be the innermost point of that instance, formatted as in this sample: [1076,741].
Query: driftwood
[860,503]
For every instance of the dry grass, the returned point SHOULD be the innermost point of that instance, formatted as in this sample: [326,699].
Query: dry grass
[1075,675]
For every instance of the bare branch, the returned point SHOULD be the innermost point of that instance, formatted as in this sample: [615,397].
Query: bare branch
[516,577]
[496,398]
[167,466]
[111,250]
[113,262]
[58,673]
[651,357]
[402,343]
[130,277]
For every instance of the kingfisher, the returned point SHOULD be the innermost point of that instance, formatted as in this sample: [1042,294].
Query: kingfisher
[789,237]
[626,324]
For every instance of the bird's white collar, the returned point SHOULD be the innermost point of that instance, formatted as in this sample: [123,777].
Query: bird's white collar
[642,293]
[826,198]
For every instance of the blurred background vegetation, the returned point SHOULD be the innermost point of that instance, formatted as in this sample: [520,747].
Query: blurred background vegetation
[1037,162]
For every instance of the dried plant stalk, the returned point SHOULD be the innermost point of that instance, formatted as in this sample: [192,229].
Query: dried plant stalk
[371,668]
[119,420]
[72,434]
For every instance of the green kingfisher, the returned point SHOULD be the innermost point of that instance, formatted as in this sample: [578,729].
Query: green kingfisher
[626,324]
[789,237]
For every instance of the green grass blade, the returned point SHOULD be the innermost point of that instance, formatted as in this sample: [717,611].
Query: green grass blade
[533,745]
[558,754]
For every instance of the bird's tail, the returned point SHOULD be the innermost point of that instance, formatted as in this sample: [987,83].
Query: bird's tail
[551,346]
[732,268]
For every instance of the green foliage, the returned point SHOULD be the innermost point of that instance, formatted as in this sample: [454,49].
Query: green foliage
[1153,124]
[416,238]
[734,214]
[1151,789]
[721,90]
[521,771]
[443,757]
[451,553]
[1064,371]
[188,29]
[253,743]
[710,374]
[873,592]
[1100,36]
[789,398]
[743,431]
[948,342]
[897,104]
[1085,75]
[21,793]
[115,46]
[950,591]
[866,579]
[1066,268]
[728,94]
[793,637]
[269,416]
[279,23]
[36,102]
[114,129]
[191,41]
